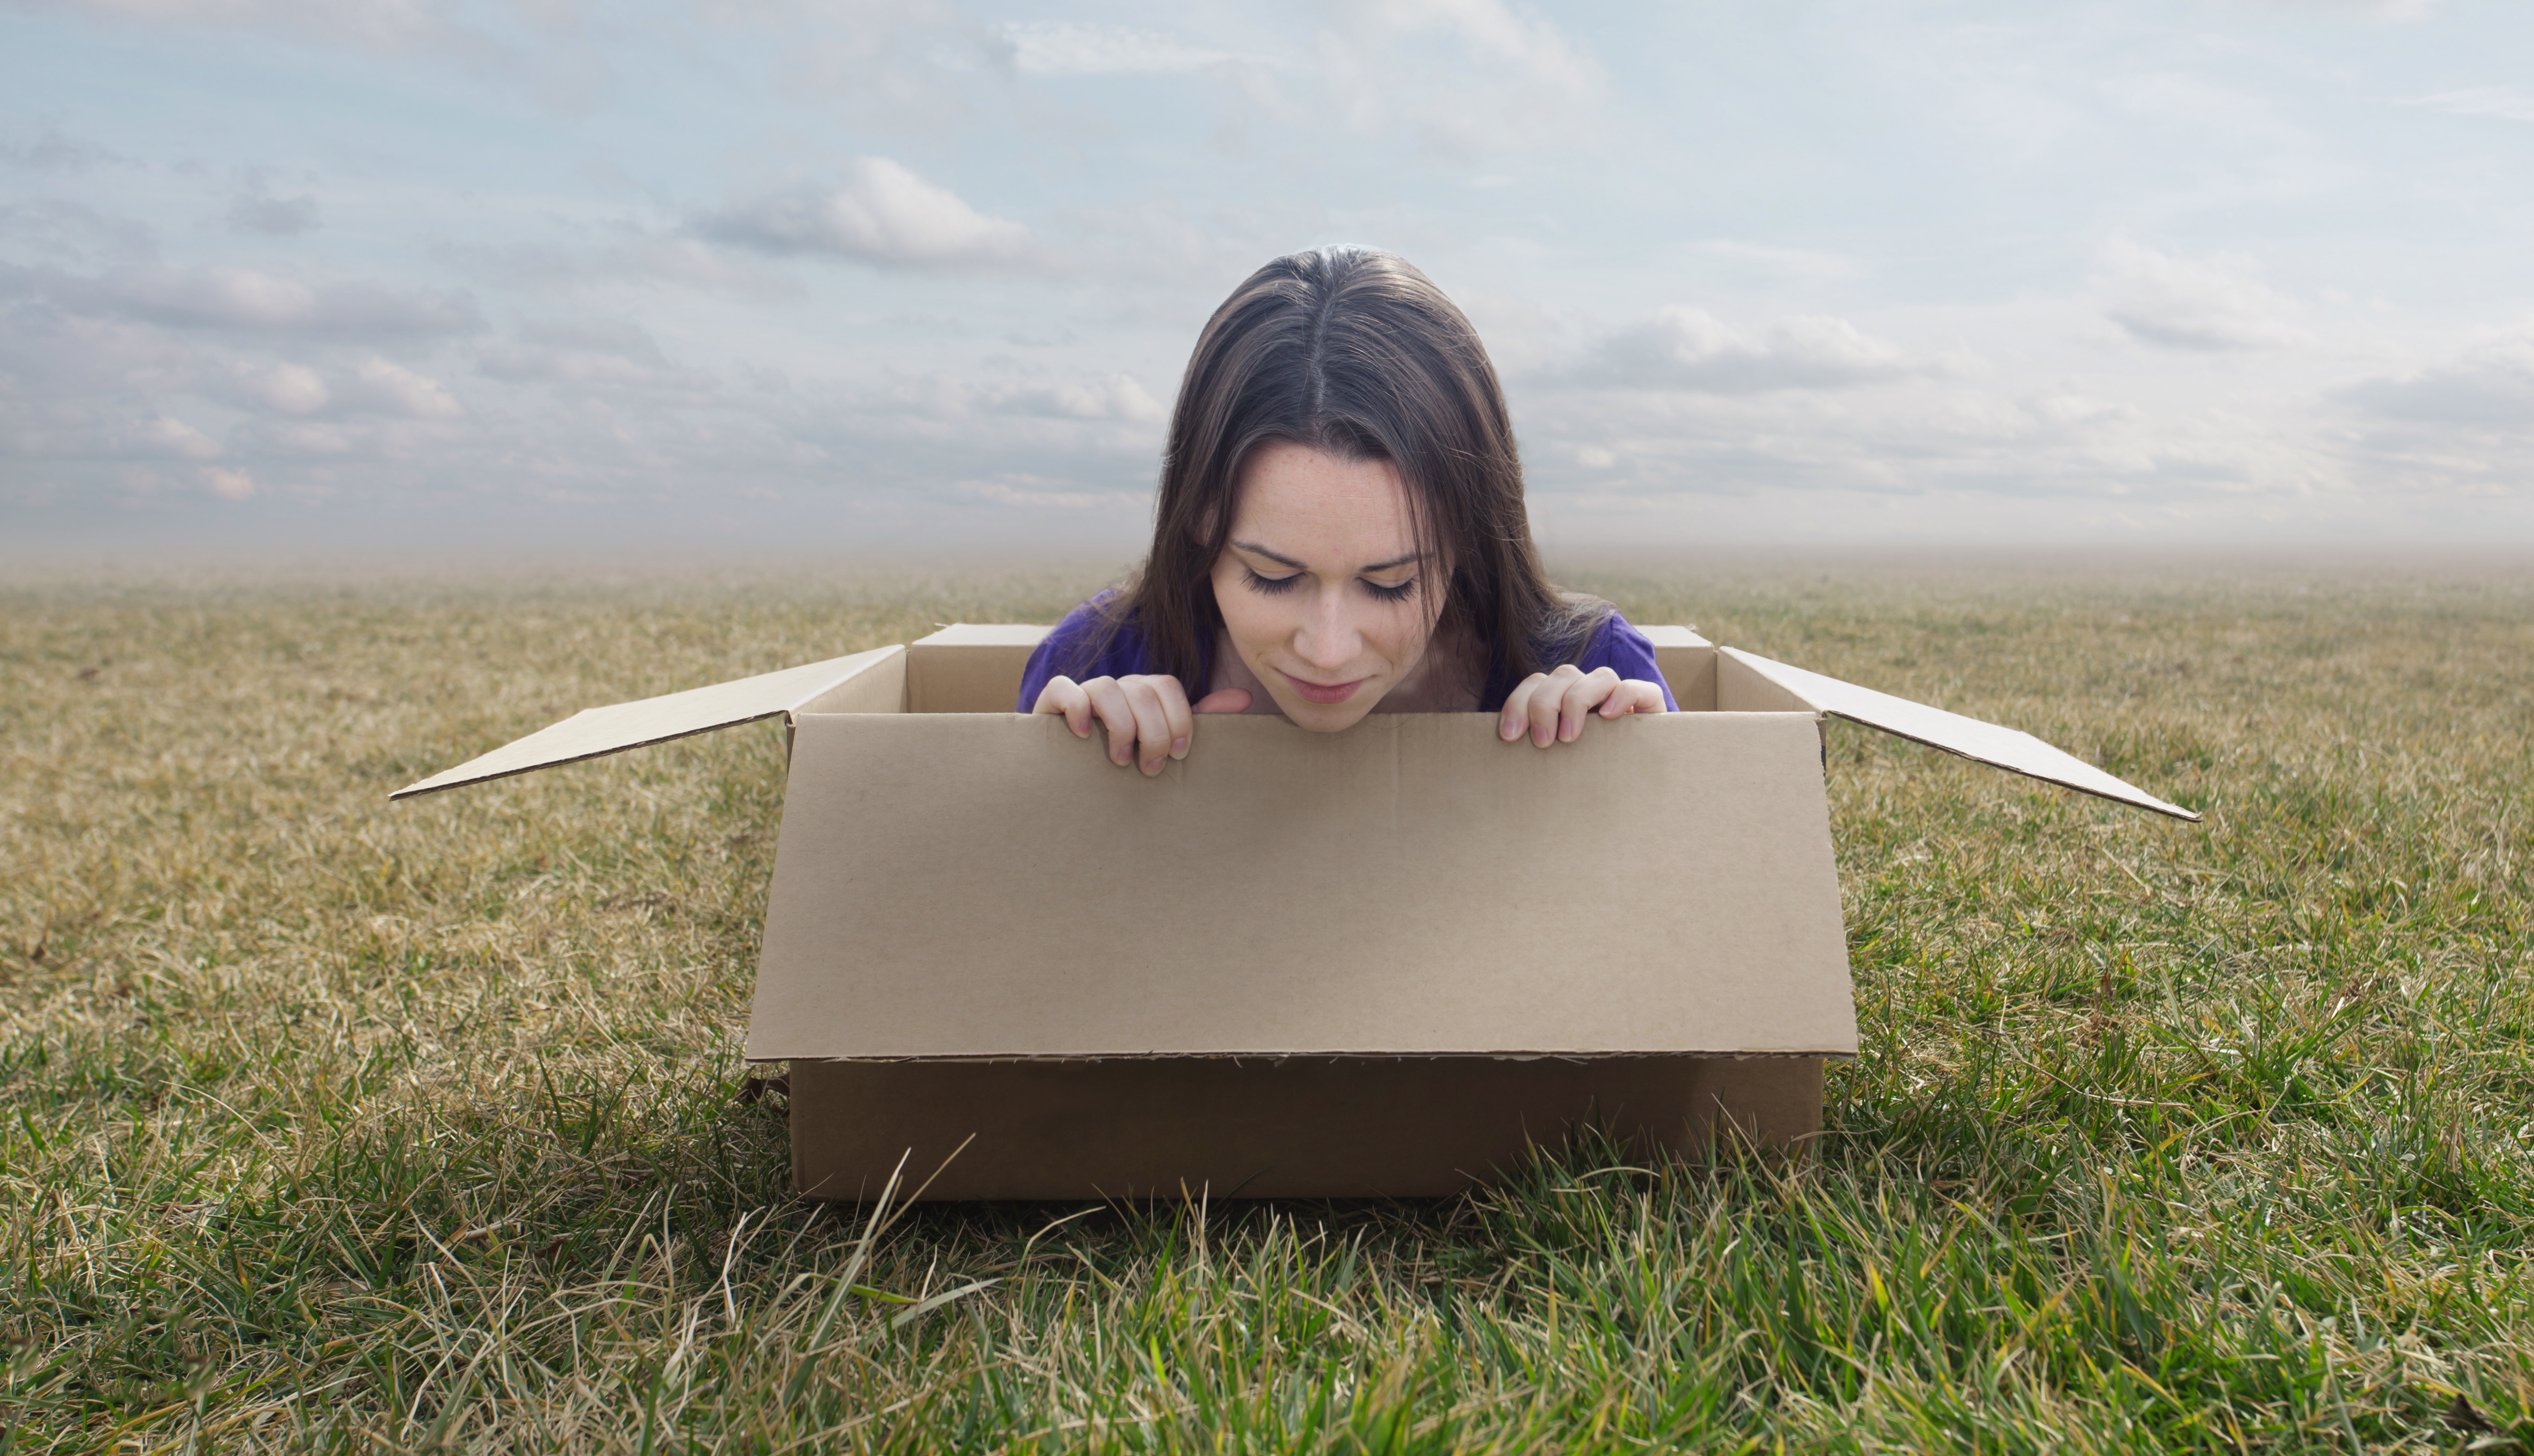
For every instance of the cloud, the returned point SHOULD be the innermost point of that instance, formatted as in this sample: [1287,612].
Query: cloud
[2501,101]
[1116,397]
[389,388]
[247,300]
[230,485]
[71,233]
[1069,48]
[1038,492]
[1467,76]
[174,438]
[2211,304]
[281,388]
[880,213]
[2488,386]
[253,209]
[605,353]
[52,151]
[1689,349]
[369,25]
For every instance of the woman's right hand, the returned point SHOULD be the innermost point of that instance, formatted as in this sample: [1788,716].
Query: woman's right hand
[1149,719]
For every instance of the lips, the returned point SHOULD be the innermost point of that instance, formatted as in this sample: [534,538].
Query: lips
[1324,693]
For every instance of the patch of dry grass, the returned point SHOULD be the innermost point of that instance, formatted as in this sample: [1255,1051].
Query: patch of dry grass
[334,1124]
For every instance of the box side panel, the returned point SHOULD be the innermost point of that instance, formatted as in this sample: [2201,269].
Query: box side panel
[1690,668]
[1740,688]
[881,689]
[595,733]
[957,886]
[1304,1128]
[977,677]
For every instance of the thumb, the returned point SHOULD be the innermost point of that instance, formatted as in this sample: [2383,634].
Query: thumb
[1227,700]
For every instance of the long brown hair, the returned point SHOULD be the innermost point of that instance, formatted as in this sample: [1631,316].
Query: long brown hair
[1355,353]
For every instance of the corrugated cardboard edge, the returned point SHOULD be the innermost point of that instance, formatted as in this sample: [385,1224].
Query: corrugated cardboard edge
[2011,749]
[595,733]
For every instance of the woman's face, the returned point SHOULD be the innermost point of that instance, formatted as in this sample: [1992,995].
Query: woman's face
[1323,593]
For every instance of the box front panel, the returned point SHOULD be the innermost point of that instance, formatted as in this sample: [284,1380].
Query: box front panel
[1304,1128]
[985,886]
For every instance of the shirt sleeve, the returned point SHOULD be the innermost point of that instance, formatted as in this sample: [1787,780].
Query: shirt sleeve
[1629,653]
[1066,652]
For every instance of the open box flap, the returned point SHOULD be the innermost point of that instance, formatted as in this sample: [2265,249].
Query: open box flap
[594,733]
[1984,742]
[989,886]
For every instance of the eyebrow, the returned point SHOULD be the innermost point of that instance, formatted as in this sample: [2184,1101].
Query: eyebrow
[1394,562]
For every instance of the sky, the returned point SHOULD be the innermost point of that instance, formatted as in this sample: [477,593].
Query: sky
[740,277]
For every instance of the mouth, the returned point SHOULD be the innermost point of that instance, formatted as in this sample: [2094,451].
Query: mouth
[1323,692]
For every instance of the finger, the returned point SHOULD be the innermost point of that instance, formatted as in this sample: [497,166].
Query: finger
[1116,715]
[1064,696]
[1548,704]
[1517,708]
[1583,695]
[1176,718]
[1633,695]
[1152,723]
[1225,700]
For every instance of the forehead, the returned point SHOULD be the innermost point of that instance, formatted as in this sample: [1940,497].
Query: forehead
[1322,509]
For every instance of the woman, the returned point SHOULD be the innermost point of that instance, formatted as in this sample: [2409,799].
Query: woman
[1339,532]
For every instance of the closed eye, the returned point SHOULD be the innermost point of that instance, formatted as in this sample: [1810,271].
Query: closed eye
[1273,586]
[1399,593]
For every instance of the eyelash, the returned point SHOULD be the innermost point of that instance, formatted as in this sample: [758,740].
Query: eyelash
[1276,586]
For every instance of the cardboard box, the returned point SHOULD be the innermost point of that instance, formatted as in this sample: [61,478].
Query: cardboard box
[1378,962]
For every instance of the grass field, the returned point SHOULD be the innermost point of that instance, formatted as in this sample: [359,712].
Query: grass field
[335,1125]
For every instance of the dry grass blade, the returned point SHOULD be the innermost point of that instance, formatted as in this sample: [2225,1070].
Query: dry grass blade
[331,1126]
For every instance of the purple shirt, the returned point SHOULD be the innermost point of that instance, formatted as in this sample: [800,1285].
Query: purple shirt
[1616,645]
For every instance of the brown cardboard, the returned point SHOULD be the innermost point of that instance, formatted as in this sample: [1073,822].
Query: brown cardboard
[969,668]
[1413,885]
[1302,1128]
[594,733]
[1981,742]
[1380,963]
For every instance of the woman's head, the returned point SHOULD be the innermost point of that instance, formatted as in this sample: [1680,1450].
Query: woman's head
[1340,403]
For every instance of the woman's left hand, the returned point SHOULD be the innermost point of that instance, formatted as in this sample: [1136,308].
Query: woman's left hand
[1552,706]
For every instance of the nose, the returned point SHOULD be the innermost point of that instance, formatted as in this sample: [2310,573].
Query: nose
[1327,639]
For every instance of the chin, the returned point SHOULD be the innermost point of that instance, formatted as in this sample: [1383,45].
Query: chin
[1325,718]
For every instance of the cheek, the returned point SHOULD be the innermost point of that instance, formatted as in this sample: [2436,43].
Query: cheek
[1249,618]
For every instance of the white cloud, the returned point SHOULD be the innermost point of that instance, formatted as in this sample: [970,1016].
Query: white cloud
[2503,102]
[282,387]
[169,436]
[374,25]
[605,353]
[1467,76]
[391,388]
[248,300]
[880,213]
[1690,349]
[230,485]
[2207,304]
[1116,397]
[1066,48]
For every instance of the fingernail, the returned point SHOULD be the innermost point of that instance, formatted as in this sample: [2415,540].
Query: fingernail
[1509,729]
[1178,748]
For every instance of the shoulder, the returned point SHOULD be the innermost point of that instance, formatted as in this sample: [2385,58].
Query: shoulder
[1621,648]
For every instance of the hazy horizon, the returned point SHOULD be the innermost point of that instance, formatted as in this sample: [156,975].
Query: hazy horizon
[286,280]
